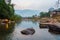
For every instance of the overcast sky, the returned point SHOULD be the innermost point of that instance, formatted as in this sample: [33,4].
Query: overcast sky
[42,5]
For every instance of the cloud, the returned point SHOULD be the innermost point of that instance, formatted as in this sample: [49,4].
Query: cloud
[42,5]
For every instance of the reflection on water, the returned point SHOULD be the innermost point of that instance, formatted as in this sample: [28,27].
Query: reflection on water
[14,32]
[41,26]
[5,30]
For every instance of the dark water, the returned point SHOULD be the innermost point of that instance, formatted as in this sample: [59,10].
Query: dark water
[40,34]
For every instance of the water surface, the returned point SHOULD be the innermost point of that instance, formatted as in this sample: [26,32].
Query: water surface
[40,34]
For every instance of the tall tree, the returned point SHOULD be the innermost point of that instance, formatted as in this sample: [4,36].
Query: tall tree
[6,11]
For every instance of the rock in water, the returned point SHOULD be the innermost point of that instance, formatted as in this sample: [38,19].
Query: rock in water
[28,31]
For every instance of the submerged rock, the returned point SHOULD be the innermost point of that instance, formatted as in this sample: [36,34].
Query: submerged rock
[28,31]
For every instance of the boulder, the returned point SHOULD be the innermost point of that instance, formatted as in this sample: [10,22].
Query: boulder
[54,28]
[28,31]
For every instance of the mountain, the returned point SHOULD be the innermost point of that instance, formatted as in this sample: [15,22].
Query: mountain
[27,13]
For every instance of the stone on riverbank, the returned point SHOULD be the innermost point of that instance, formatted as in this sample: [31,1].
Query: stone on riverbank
[54,28]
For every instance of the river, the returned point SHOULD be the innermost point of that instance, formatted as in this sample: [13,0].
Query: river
[40,33]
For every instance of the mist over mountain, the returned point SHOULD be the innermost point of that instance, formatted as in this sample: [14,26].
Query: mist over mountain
[27,13]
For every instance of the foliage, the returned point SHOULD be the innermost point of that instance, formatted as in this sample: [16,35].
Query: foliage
[16,17]
[7,11]
[4,10]
[44,14]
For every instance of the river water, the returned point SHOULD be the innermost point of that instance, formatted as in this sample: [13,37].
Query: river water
[40,33]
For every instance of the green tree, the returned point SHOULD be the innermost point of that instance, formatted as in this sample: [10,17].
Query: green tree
[44,14]
[7,11]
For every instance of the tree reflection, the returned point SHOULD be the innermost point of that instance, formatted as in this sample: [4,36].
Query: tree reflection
[6,28]
[42,26]
[5,32]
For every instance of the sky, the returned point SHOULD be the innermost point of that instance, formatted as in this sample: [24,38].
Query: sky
[26,7]
[42,5]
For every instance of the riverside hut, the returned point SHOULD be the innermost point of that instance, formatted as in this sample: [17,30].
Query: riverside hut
[54,13]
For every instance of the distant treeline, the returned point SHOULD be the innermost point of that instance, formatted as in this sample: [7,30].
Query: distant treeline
[44,14]
[41,15]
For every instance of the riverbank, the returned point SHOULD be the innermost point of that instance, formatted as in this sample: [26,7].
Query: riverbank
[6,21]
